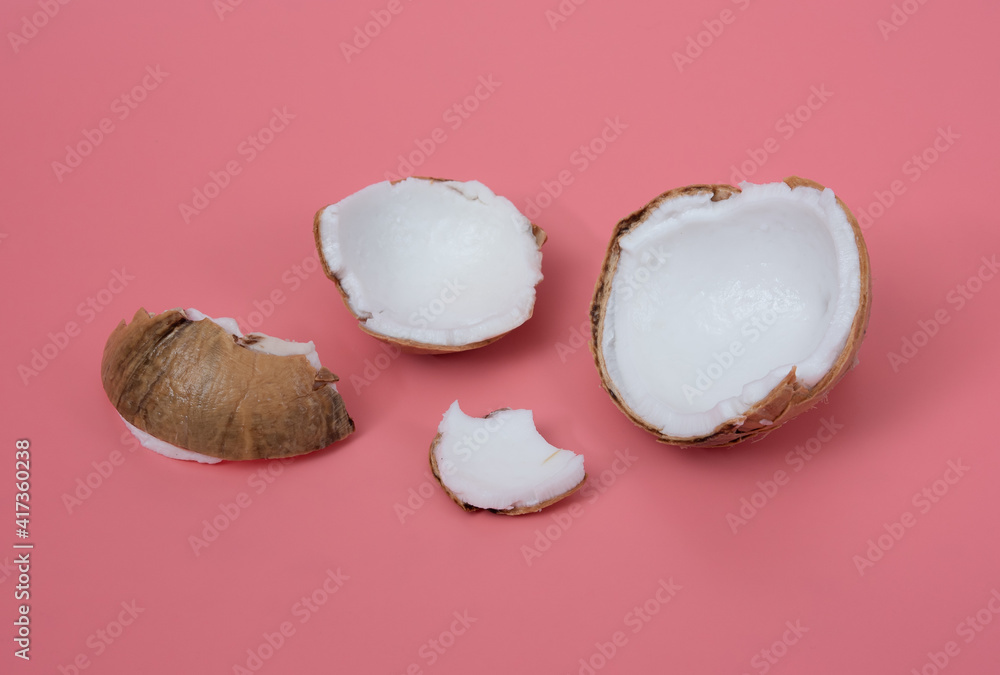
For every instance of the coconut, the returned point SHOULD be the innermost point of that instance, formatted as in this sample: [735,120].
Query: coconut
[431,265]
[501,463]
[195,388]
[722,313]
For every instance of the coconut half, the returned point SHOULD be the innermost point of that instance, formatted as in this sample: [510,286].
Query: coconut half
[722,312]
[431,265]
[501,463]
[195,388]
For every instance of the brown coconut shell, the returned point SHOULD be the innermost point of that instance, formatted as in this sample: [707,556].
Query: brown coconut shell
[196,386]
[409,346]
[790,397]
[506,512]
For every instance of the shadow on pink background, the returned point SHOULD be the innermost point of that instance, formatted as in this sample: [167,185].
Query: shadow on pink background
[352,560]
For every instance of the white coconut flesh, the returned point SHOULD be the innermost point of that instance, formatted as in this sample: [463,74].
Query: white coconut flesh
[501,462]
[713,303]
[265,344]
[153,443]
[436,262]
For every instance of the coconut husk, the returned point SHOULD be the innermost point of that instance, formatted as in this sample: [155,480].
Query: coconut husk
[196,386]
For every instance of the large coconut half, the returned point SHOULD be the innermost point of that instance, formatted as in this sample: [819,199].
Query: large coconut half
[431,265]
[501,463]
[192,387]
[722,313]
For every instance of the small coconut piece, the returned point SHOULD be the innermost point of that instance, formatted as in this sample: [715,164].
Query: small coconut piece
[501,463]
[721,313]
[195,388]
[431,265]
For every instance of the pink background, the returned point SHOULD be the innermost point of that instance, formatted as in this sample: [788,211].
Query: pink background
[65,234]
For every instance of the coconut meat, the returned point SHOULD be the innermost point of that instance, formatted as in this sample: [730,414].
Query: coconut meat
[153,443]
[501,462]
[714,302]
[434,262]
[257,342]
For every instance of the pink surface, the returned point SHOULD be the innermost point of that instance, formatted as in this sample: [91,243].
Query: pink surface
[642,572]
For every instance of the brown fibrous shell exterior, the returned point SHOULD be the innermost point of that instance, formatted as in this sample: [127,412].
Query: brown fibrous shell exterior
[409,346]
[506,512]
[791,396]
[196,386]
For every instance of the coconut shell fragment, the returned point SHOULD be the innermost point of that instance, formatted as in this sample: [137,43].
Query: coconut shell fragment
[198,387]
[408,217]
[789,397]
[517,511]
[501,464]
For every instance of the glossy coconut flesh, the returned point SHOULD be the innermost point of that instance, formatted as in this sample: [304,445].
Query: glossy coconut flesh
[714,302]
[501,462]
[432,262]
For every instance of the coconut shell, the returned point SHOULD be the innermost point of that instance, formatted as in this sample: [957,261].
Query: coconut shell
[198,387]
[409,346]
[507,512]
[791,396]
